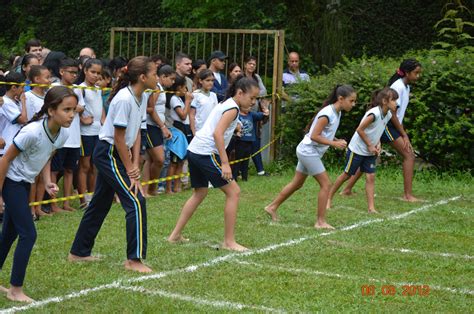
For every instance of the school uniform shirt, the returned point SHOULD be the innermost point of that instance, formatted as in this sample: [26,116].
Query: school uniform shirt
[307,147]
[34,103]
[160,107]
[249,121]
[203,103]
[203,142]
[9,111]
[177,102]
[374,131]
[74,139]
[125,111]
[93,107]
[403,98]
[36,145]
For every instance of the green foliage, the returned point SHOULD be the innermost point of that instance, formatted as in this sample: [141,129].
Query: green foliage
[438,119]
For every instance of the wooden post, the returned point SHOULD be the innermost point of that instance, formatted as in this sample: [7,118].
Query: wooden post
[112,43]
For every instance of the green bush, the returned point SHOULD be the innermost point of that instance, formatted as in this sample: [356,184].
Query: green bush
[438,119]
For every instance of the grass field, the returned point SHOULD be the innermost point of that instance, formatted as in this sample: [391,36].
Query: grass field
[291,267]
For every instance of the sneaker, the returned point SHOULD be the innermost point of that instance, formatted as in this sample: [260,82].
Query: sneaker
[263,174]
[46,208]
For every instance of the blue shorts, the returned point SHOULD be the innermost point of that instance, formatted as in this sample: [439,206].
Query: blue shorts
[186,129]
[65,158]
[204,169]
[390,134]
[144,141]
[354,162]
[88,143]
[155,136]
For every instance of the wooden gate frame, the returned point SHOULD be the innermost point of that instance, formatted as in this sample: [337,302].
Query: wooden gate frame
[278,54]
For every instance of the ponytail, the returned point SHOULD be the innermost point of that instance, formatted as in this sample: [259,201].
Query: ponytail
[406,66]
[132,71]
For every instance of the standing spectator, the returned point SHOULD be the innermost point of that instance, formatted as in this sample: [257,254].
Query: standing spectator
[88,52]
[293,74]
[183,68]
[234,71]
[216,65]
[160,60]
[35,47]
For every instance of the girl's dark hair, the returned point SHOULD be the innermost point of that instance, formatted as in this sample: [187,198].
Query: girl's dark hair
[245,84]
[68,63]
[11,77]
[250,58]
[231,68]
[107,73]
[36,71]
[178,82]
[90,62]
[406,66]
[338,90]
[166,70]
[204,74]
[196,65]
[161,58]
[53,98]
[26,61]
[135,67]
[117,63]
[382,94]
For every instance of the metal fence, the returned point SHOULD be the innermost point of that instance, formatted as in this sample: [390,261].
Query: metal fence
[237,44]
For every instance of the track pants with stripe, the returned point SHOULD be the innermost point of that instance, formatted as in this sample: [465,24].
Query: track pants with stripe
[112,178]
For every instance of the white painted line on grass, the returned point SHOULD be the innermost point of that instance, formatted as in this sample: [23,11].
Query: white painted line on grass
[401,250]
[218,260]
[356,278]
[200,301]
[291,225]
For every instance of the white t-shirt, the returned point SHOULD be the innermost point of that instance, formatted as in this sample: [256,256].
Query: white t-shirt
[93,107]
[177,102]
[307,147]
[403,98]
[217,77]
[34,103]
[125,111]
[203,142]
[74,139]
[160,107]
[36,145]
[374,131]
[10,111]
[203,103]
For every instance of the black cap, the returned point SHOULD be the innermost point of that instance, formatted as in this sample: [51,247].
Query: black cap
[217,55]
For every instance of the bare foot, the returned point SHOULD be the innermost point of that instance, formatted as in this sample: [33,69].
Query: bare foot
[69,208]
[137,265]
[74,258]
[347,193]
[169,192]
[272,212]
[42,213]
[234,247]
[411,199]
[17,294]
[323,225]
[152,193]
[3,289]
[56,209]
[179,239]
[373,211]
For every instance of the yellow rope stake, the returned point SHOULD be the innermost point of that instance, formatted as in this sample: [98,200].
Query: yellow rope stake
[69,198]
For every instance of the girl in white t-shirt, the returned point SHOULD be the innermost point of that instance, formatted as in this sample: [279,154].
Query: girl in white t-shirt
[408,73]
[91,121]
[208,160]
[311,149]
[22,162]
[179,114]
[203,100]
[34,101]
[157,131]
[117,158]
[364,146]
